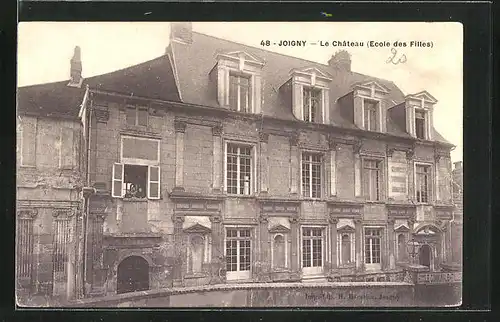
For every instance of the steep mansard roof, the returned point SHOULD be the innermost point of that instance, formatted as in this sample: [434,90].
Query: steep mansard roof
[182,75]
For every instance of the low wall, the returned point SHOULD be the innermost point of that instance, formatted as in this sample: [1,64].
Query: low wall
[339,294]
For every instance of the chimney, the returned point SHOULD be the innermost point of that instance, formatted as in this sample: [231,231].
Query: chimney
[458,165]
[181,32]
[76,69]
[341,60]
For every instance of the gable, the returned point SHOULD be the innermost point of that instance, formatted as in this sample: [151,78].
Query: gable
[373,86]
[345,229]
[312,70]
[197,229]
[279,229]
[424,96]
[241,56]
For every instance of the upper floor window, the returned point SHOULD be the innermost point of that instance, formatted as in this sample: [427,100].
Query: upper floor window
[239,92]
[138,173]
[237,76]
[373,241]
[371,179]
[239,169]
[311,175]
[422,182]
[371,115]
[420,124]
[311,104]
[137,115]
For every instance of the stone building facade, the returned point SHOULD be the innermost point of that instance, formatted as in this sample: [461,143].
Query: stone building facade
[223,163]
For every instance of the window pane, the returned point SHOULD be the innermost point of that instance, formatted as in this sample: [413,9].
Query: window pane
[317,252]
[306,253]
[244,255]
[233,92]
[131,114]
[420,128]
[244,95]
[135,180]
[306,104]
[154,173]
[142,117]
[154,188]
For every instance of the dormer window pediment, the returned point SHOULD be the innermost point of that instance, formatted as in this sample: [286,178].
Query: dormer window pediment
[238,77]
[419,108]
[369,106]
[310,94]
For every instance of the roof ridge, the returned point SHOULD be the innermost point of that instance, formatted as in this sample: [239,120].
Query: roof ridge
[258,48]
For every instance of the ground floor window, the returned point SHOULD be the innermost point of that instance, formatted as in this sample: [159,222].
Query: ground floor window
[373,241]
[238,252]
[312,249]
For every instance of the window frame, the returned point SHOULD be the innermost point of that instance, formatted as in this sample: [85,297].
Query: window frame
[381,177]
[239,274]
[137,108]
[378,115]
[150,164]
[239,75]
[253,166]
[374,266]
[312,270]
[322,176]
[430,181]
[318,114]
[425,113]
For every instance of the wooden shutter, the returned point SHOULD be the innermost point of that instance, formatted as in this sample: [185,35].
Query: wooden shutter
[153,182]
[117,182]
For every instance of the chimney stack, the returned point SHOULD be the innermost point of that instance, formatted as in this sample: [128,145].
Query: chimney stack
[76,69]
[341,60]
[181,32]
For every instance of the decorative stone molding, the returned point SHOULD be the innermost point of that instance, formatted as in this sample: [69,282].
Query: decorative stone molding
[294,139]
[293,220]
[390,151]
[217,130]
[263,137]
[332,143]
[27,214]
[357,146]
[215,219]
[180,126]
[62,214]
[357,221]
[263,219]
[410,154]
[101,115]
[391,221]
[178,219]
[333,220]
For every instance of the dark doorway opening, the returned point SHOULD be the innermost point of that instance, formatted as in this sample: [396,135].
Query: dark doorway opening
[133,275]
[425,255]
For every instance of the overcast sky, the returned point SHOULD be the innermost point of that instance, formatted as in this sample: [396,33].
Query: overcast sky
[45,49]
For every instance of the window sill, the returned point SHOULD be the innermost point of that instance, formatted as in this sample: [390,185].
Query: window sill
[241,196]
[376,202]
[135,199]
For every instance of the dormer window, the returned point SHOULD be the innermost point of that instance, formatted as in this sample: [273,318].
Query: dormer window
[365,106]
[312,105]
[310,94]
[371,115]
[239,92]
[420,124]
[237,76]
[418,111]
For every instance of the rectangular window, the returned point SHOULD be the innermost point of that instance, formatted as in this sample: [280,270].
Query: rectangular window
[371,179]
[371,113]
[239,93]
[138,175]
[238,250]
[422,182]
[420,124]
[373,238]
[311,104]
[137,115]
[239,169]
[311,175]
[312,247]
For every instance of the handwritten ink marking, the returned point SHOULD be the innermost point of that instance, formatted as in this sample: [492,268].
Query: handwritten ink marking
[392,59]
[326,14]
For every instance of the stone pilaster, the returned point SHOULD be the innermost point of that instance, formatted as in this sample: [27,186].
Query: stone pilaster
[264,166]
[333,166]
[294,164]
[294,235]
[179,248]
[411,178]
[180,129]
[357,170]
[358,236]
[391,240]
[265,249]
[62,260]
[333,244]
[218,162]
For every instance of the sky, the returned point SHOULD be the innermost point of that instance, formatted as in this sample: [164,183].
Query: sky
[45,49]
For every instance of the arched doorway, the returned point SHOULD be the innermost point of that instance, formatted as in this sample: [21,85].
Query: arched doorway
[424,255]
[132,275]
